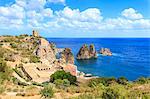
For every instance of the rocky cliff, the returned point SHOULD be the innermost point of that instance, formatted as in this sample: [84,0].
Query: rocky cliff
[67,56]
[45,51]
[86,52]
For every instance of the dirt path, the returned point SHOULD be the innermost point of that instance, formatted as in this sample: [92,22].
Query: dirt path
[19,97]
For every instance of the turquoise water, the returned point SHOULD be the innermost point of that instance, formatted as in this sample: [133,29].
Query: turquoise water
[131,56]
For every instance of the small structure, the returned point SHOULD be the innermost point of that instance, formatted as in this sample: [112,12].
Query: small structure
[88,75]
[35,33]
[43,67]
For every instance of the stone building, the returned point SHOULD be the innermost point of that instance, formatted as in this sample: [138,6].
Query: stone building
[35,33]
[43,67]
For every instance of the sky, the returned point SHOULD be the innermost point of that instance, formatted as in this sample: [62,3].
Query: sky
[76,18]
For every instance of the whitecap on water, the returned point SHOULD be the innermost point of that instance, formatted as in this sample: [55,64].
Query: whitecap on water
[116,54]
[113,54]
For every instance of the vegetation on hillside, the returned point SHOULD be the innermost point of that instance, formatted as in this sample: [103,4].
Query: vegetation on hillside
[5,74]
[63,82]
[47,92]
[62,75]
[22,45]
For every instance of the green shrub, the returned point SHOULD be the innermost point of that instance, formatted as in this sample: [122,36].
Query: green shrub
[9,39]
[47,92]
[86,96]
[63,75]
[122,80]
[18,82]
[114,92]
[143,80]
[15,90]
[13,45]
[37,84]
[2,89]
[2,52]
[66,82]
[62,83]
[34,59]
[5,71]
[105,81]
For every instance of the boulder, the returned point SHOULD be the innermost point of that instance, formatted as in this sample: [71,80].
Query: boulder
[44,50]
[106,52]
[67,55]
[86,52]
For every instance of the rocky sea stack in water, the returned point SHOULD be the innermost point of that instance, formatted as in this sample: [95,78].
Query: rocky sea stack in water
[67,55]
[106,52]
[86,52]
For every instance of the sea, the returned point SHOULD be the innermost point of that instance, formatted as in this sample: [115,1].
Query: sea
[130,58]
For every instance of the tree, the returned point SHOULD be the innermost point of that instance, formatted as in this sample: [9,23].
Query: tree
[63,75]
[47,92]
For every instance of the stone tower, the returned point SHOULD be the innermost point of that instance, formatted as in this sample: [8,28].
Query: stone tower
[35,33]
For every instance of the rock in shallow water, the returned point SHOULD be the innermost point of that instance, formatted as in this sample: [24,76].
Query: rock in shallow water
[67,55]
[86,52]
[106,52]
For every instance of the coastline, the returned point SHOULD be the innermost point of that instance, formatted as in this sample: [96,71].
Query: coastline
[36,69]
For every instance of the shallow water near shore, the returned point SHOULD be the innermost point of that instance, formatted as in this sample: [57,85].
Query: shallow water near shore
[130,58]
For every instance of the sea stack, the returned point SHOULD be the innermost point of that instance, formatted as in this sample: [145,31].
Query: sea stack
[86,52]
[67,56]
[106,52]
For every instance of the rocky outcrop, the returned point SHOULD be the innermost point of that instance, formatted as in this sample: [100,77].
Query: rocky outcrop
[67,56]
[86,52]
[71,68]
[44,50]
[106,52]
[53,46]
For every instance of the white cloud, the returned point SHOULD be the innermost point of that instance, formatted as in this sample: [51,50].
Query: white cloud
[57,1]
[142,23]
[131,14]
[91,14]
[32,13]
[75,19]
[14,11]
[47,12]
[21,3]
[91,19]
